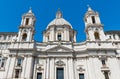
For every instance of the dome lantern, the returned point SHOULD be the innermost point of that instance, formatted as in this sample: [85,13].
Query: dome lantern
[59,14]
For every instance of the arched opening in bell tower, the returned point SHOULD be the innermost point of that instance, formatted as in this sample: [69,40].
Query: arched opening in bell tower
[27,21]
[96,34]
[24,37]
[93,19]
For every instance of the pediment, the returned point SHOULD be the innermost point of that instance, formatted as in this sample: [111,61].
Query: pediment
[59,49]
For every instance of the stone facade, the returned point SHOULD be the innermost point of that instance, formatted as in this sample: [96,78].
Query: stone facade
[59,56]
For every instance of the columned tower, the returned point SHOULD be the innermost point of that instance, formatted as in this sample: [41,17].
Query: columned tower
[26,29]
[93,27]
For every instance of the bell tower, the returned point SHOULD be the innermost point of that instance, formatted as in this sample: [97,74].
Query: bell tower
[26,29]
[93,27]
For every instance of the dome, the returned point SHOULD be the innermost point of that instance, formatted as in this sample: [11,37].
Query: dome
[59,20]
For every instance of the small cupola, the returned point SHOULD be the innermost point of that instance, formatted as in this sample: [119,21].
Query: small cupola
[59,14]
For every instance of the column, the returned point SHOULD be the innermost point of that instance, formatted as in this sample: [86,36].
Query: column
[62,35]
[29,67]
[11,67]
[74,36]
[113,65]
[24,67]
[19,35]
[44,40]
[71,73]
[67,69]
[51,68]
[52,36]
[8,62]
[47,68]
[65,34]
[28,35]
[90,68]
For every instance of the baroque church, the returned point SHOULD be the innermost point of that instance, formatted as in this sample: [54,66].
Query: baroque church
[59,56]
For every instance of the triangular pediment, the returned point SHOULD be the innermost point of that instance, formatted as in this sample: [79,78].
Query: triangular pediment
[59,49]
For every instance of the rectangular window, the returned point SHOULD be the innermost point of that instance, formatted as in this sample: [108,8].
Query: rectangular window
[19,61]
[27,21]
[81,76]
[2,62]
[60,73]
[39,75]
[93,19]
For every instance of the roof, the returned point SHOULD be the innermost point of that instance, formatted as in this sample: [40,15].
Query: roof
[113,32]
[29,13]
[60,21]
[8,33]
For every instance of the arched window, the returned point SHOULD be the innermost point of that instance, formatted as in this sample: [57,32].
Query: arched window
[48,37]
[24,37]
[96,34]
[93,19]
[59,36]
[27,21]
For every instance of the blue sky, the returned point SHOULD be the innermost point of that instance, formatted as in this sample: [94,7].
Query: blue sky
[45,10]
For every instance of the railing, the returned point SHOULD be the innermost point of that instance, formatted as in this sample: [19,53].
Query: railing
[15,78]
[21,45]
[100,45]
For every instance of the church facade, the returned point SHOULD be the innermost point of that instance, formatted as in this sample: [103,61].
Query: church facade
[59,56]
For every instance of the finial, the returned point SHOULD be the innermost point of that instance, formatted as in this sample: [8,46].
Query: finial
[30,10]
[89,8]
[59,14]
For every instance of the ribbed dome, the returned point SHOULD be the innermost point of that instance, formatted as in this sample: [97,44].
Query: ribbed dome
[59,20]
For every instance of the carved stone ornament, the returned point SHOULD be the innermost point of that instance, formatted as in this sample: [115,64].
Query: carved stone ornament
[60,63]
[81,69]
[39,68]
